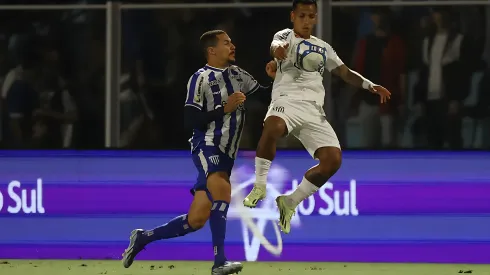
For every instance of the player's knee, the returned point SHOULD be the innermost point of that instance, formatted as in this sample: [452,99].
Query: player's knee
[274,128]
[197,220]
[219,186]
[330,160]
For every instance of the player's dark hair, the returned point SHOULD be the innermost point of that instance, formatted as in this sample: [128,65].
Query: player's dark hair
[304,2]
[209,39]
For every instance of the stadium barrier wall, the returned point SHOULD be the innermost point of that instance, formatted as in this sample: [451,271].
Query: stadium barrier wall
[380,207]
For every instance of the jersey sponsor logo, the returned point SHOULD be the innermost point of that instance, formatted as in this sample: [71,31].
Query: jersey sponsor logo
[198,94]
[284,35]
[278,109]
[213,83]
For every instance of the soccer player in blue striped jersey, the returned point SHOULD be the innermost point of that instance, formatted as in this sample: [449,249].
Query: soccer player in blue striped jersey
[215,113]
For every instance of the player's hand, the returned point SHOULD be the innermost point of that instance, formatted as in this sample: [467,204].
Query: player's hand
[281,52]
[384,94]
[271,69]
[234,101]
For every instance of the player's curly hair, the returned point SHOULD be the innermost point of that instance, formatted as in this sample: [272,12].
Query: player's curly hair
[304,2]
[209,39]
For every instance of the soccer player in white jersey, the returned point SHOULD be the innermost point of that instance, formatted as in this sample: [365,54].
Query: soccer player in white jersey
[215,113]
[297,109]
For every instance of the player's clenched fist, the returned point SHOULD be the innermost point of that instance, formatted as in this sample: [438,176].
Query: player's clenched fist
[281,52]
[234,101]
[271,69]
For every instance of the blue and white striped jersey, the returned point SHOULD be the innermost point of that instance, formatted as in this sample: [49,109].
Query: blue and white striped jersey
[209,89]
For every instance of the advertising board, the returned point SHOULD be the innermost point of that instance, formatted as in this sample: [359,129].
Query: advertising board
[380,207]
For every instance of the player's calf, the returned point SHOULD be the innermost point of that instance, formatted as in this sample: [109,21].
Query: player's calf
[330,162]
[179,226]
[199,211]
[220,188]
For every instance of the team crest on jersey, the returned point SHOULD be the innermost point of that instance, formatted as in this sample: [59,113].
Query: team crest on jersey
[214,159]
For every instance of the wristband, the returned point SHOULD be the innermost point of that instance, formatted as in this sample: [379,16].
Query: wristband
[366,84]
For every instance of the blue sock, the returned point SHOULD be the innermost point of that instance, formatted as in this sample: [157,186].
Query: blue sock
[177,227]
[217,222]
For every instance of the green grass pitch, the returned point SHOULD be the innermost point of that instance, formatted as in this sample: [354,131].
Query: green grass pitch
[81,267]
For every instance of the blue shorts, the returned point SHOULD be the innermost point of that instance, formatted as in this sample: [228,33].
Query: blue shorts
[209,160]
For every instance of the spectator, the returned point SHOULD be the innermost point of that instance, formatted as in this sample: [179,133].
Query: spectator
[20,102]
[482,110]
[443,83]
[381,58]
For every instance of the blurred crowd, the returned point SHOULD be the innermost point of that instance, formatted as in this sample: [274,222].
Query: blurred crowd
[435,61]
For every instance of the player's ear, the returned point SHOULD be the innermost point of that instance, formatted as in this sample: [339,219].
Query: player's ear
[211,51]
[292,16]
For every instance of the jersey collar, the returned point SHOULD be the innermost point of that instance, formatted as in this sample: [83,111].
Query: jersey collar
[214,69]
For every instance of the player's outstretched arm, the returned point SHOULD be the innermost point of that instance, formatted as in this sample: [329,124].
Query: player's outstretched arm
[250,85]
[354,78]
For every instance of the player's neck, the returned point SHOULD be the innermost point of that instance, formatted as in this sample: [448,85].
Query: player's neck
[297,34]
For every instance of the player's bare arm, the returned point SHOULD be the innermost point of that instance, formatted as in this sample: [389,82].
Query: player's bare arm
[354,78]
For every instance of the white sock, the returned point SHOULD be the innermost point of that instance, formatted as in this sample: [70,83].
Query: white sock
[303,191]
[262,167]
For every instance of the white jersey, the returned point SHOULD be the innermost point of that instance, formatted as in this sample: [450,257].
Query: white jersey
[295,83]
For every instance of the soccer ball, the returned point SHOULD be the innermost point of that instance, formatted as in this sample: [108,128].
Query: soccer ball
[310,57]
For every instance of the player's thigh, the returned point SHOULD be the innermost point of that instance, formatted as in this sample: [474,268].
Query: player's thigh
[201,162]
[200,210]
[317,133]
[282,118]
[216,168]
[219,186]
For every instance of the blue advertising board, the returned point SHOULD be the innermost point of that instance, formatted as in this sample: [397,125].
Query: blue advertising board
[379,207]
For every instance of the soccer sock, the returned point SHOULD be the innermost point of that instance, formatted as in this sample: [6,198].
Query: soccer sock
[217,222]
[262,167]
[303,191]
[177,227]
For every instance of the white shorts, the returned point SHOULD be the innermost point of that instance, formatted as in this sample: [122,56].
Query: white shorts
[307,122]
